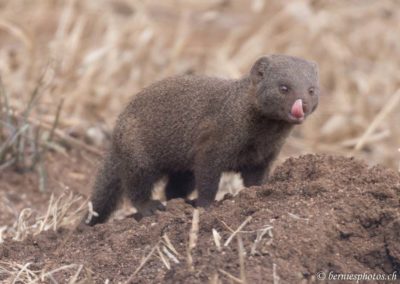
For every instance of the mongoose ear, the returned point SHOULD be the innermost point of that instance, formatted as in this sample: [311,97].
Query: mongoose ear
[315,66]
[259,69]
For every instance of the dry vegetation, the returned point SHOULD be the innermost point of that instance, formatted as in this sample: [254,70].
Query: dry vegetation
[99,53]
[94,55]
[63,211]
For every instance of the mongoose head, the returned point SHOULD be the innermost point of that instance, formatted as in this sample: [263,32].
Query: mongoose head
[285,87]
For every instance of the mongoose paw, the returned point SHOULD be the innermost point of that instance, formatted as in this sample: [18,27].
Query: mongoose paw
[201,202]
[147,209]
[191,202]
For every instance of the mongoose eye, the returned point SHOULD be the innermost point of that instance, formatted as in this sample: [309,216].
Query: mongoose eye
[283,89]
[311,91]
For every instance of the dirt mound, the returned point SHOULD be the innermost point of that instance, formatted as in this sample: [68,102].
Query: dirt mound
[317,214]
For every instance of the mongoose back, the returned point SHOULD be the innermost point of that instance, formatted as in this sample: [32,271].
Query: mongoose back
[194,128]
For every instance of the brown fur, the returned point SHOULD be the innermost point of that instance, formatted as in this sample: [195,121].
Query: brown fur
[193,128]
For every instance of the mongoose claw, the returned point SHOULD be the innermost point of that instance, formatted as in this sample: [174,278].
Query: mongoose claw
[147,209]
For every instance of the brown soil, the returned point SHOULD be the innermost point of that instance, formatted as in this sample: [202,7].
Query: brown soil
[329,214]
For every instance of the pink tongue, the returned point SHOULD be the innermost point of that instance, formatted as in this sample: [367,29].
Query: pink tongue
[297,109]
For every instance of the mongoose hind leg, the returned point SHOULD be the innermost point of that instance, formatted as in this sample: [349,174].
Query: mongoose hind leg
[180,185]
[148,208]
[138,188]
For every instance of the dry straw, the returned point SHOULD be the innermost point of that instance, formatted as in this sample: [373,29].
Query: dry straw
[99,62]
[62,211]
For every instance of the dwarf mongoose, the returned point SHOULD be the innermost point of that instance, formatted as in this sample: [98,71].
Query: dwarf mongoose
[193,128]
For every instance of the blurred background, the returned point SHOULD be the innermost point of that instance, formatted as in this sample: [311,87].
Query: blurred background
[94,55]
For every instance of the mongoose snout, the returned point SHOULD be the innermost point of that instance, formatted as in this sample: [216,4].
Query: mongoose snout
[297,111]
[191,129]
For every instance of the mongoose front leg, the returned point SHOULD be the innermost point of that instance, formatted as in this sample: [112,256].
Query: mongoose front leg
[138,184]
[253,175]
[257,175]
[207,181]
[208,170]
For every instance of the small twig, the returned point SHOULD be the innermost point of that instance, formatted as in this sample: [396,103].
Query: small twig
[60,134]
[143,262]
[4,95]
[217,239]
[73,141]
[2,230]
[35,145]
[169,254]
[399,163]
[46,217]
[164,260]
[214,279]
[20,224]
[275,276]
[75,277]
[294,216]
[230,276]
[11,140]
[242,253]
[21,142]
[248,219]
[387,108]
[25,267]
[42,175]
[20,149]
[260,235]
[56,120]
[371,139]
[226,225]
[193,237]
[168,243]
[50,273]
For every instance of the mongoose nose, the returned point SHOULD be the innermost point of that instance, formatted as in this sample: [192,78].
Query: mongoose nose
[297,109]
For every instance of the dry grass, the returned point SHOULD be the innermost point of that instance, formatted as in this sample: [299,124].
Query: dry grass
[102,52]
[64,211]
[23,143]
[18,273]
[166,253]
